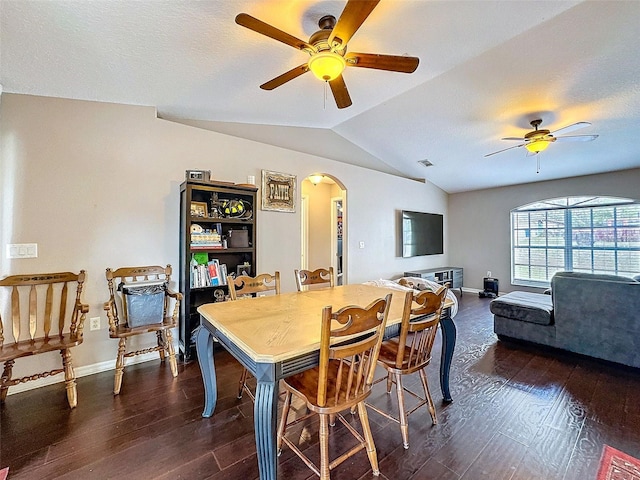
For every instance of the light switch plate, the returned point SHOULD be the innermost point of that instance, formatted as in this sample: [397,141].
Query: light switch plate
[22,250]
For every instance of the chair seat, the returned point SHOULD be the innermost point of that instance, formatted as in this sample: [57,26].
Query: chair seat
[25,348]
[305,384]
[389,354]
[124,331]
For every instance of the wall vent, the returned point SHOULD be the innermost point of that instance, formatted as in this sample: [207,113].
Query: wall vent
[426,163]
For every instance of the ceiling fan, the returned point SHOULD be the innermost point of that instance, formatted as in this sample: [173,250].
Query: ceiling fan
[538,140]
[328,49]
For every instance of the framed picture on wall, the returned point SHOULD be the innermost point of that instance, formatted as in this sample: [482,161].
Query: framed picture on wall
[278,191]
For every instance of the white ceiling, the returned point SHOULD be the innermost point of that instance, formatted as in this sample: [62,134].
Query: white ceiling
[487,68]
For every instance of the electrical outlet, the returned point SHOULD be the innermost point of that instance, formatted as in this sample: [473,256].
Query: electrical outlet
[361,244]
[94,323]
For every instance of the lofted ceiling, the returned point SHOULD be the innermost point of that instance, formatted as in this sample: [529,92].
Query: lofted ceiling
[487,68]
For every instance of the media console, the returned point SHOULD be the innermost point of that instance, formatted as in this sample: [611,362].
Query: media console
[449,276]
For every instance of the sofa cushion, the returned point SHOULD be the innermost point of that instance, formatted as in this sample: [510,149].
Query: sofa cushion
[525,307]
[590,276]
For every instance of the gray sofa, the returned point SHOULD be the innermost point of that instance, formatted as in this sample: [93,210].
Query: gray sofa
[594,315]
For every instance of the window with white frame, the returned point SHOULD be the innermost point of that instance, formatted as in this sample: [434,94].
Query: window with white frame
[579,234]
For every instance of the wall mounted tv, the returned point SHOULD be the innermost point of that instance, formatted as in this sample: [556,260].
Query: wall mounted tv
[422,234]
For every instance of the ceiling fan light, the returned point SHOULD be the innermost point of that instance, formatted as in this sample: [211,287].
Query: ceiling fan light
[327,66]
[537,146]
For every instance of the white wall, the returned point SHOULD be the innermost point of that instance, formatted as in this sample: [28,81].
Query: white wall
[480,221]
[97,185]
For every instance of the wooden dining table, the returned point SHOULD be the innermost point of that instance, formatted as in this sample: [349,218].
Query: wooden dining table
[279,335]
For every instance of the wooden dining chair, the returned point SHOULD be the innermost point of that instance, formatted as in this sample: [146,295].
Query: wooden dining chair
[246,286]
[156,312]
[320,276]
[350,341]
[411,352]
[34,331]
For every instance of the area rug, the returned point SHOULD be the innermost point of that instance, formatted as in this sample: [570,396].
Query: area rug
[617,465]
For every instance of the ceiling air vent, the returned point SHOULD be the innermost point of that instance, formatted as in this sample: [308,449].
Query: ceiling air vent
[426,163]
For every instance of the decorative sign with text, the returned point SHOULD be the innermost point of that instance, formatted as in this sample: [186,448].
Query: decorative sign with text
[278,191]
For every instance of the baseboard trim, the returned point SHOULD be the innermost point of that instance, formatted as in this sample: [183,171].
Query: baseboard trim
[81,372]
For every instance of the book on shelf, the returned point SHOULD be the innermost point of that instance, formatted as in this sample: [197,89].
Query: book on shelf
[214,272]
[199,276]
[200,270]
[206,272]
[223,274]
[207,238]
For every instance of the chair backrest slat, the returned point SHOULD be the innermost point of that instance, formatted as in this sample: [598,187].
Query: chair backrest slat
[47,310]
[319,276]
[33,311]
[246,285]
[15,312]
[63,307]
[351,349]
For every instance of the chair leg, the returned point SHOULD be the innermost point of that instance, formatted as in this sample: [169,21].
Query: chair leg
[161,343]
[368,436]
[6,376]
[389,382]
[117,383]
[69,378]
[404,421]
[282,428]
[324,447]
[432,407]
[168,344]
[242,382]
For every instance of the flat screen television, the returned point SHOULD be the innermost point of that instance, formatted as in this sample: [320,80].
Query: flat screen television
[422,234]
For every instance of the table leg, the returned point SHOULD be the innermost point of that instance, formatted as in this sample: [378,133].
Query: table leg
[204,348]
[448,329]
[265,412]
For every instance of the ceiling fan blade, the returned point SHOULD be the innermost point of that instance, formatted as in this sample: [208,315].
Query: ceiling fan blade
[517,139]
[259,26]
[504,150]
[570,128]
[285,77]
[576,138]
[340,92]
[392,63]
[354,14]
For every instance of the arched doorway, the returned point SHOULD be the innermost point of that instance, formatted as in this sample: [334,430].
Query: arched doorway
[323,232]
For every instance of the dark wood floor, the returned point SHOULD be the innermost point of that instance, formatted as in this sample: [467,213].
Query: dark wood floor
[518,413]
